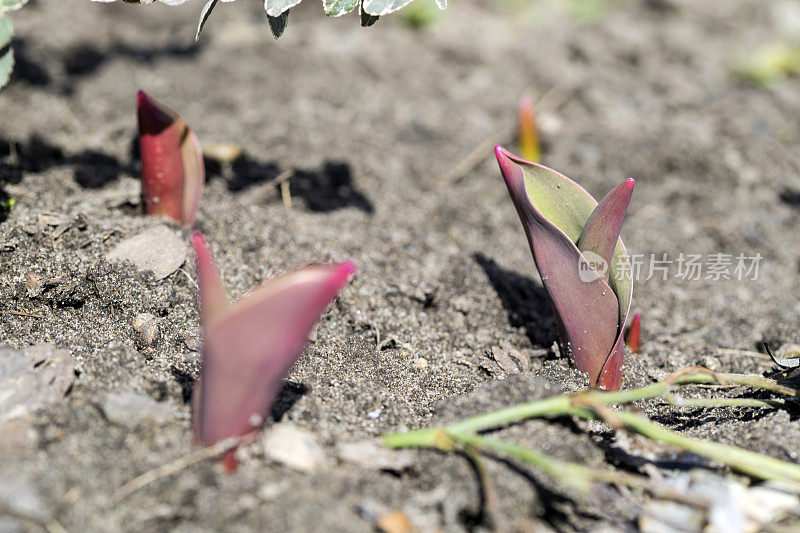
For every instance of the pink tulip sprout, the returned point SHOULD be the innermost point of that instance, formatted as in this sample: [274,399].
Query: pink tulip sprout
[250,345]
[583,264]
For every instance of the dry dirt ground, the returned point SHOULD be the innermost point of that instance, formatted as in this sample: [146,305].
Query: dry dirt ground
[372,121]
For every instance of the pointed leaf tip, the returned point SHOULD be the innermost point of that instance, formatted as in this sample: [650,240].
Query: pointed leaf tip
[600,234]
[512,172]
[212,293]
[154,117]
[344,272]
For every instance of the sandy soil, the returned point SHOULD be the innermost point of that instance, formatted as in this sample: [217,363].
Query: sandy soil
[371,120]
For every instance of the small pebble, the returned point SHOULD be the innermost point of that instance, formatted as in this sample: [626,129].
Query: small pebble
[146,325]
[296,448]
[130,409]
[21,499]
[420,363]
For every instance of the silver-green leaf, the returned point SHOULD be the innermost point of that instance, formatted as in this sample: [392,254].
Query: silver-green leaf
[275,8]
[11,5]
[383,7]
[6,53]
[337,8]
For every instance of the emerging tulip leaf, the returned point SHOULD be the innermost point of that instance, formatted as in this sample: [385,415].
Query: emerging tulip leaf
[249,346]
[173,173]
[582,262]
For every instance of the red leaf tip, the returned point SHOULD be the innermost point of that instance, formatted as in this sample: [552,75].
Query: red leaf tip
[512,172]
[633,338]
[345,272]
[198,240]
[628,184]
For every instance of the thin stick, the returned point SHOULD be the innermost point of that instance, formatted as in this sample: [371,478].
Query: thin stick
[280,178]
[20,313]
[477,155]
[746,353]
[490,502]
[179,464]
[550,100]
[191,280]
[286,195]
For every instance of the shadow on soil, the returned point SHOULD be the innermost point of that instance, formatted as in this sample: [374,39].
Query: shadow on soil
[524,300]
[324,190]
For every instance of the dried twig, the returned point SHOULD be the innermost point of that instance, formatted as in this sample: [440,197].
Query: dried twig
[20,313]
[180,463]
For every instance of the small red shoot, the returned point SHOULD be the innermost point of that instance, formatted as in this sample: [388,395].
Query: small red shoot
[632,339]
[173,173]
[528,133]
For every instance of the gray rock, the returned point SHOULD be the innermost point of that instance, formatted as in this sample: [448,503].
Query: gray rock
[146,325]
[10,525]
[296,448]
[368,454]
[32,378]
[19,498]
[158,249]
[130,409]
[126,190]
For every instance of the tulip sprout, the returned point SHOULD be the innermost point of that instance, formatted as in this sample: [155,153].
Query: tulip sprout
[173,173]
[581,259]
[248,347]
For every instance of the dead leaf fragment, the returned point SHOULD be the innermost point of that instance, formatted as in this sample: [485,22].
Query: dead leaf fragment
[395,522]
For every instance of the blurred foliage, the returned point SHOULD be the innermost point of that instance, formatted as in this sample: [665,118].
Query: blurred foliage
[771,63]
[6,33]
[278,10]
[420,14]
[584,11]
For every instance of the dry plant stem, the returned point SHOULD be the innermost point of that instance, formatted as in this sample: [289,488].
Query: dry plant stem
[574,475]
[584,405]
[280,178]
[753,464]
[490,503]
[471,161]
[20,313]
[180,463]
[745,353]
